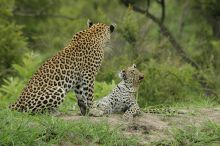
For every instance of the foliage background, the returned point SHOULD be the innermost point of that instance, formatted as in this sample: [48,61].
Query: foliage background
[33,30]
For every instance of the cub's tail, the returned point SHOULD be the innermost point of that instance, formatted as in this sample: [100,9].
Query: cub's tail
[163,111]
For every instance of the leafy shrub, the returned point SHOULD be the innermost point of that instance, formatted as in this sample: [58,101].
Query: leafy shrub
[129,27]
[12,86]
[30,63]
[102,89]
[168,83]
[12,43]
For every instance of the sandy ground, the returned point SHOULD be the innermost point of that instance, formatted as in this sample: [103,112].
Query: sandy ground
[153,127]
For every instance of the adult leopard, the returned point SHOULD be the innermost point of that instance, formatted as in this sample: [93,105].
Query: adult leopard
[72,68]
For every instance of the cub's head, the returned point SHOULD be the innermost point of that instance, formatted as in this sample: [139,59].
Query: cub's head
[100,31]
[131,76]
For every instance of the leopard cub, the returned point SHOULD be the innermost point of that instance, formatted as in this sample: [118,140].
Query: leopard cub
[123,96]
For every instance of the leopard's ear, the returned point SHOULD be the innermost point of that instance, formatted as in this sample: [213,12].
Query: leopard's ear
[89,23]
[112,27]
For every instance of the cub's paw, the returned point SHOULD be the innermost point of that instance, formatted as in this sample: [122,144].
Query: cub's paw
[128,117]
[96,112]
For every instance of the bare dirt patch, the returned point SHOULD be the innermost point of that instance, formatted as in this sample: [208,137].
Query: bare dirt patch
[153,127]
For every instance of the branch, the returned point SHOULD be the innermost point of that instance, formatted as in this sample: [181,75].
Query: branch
[167,34]
[162,4]
[163,11]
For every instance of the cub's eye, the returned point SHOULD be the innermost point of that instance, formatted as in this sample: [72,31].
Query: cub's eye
[123,74]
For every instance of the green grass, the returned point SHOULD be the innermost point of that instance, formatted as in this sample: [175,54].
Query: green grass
[24,129]
[207,134]
[201,101]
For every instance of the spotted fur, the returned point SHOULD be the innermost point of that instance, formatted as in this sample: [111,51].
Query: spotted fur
[72,69]
[123,96]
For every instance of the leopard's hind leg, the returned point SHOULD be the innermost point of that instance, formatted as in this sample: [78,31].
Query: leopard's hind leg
[18,106]
[49,101]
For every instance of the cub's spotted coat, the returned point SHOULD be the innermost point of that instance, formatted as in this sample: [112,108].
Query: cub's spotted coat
[123,96]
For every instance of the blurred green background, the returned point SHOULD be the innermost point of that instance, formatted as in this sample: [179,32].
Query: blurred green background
[33,30]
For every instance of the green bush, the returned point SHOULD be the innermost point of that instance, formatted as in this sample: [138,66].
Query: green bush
[102,89]
[30,63]
[168,83]
[12,43]
[12,86]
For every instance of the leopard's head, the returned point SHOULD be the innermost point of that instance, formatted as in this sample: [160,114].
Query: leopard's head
[131,76]
[100,32]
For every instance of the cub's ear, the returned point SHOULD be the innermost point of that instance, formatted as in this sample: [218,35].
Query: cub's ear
[89,23]
[134,66]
